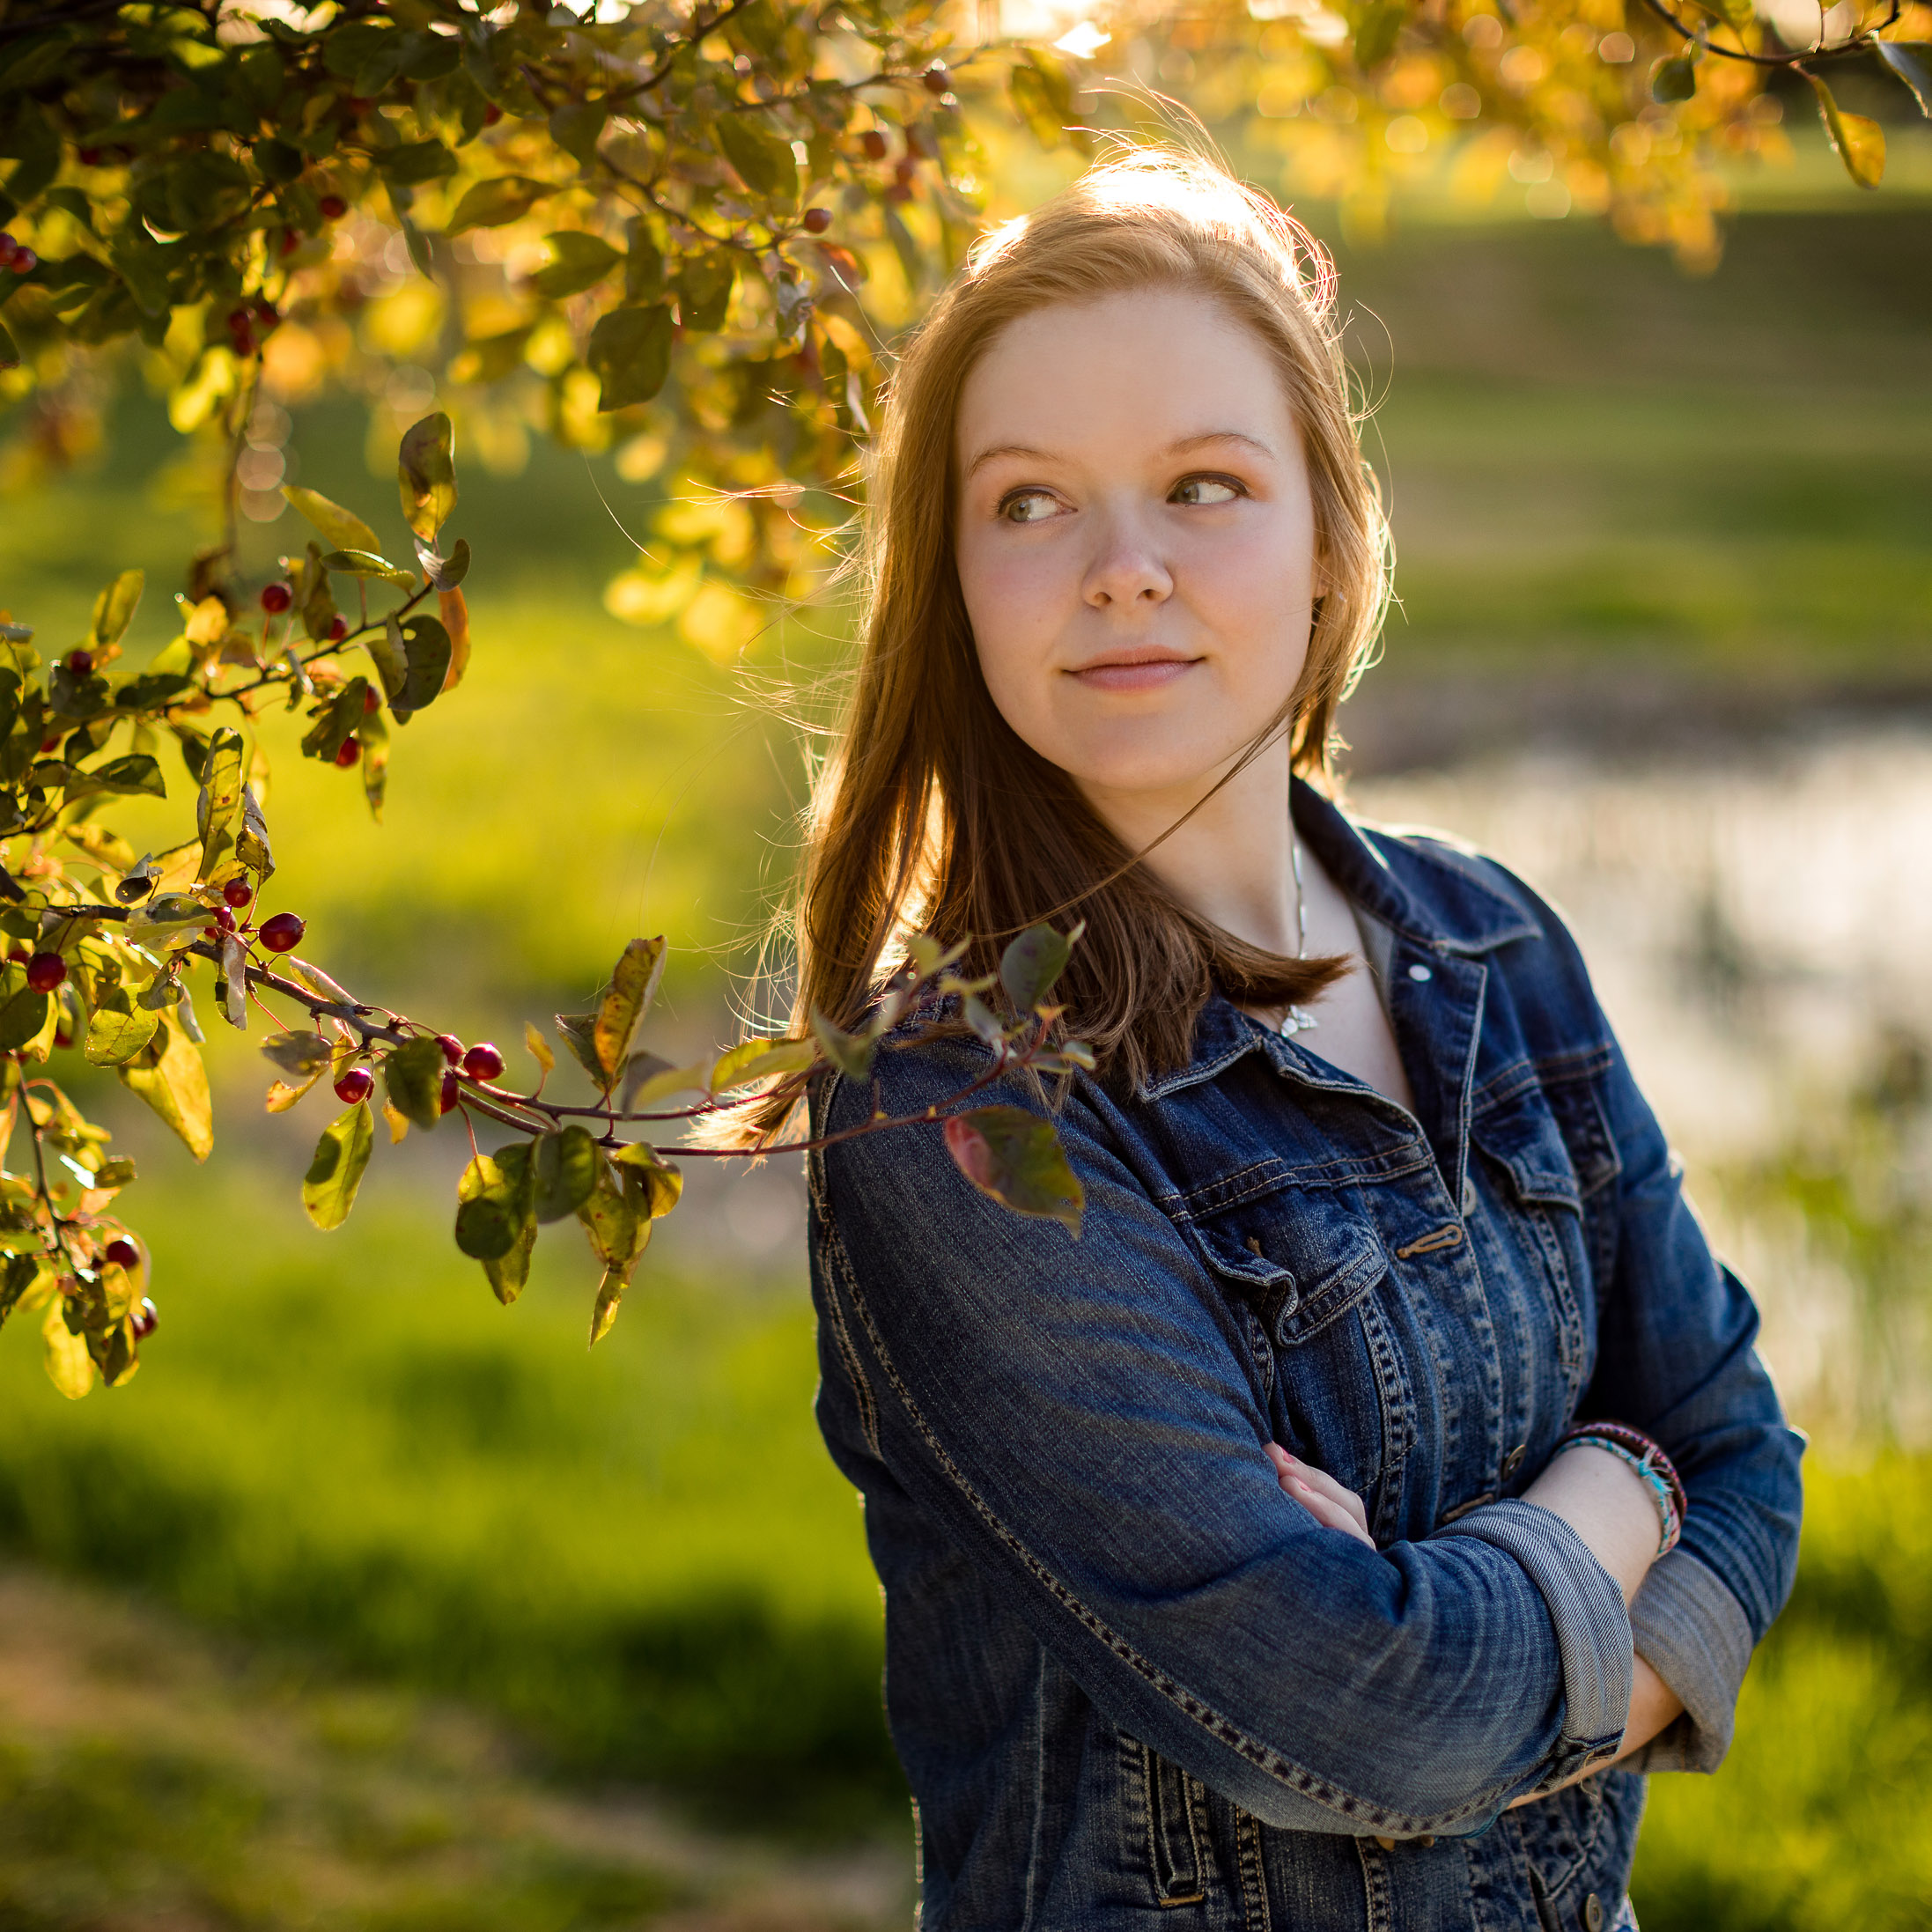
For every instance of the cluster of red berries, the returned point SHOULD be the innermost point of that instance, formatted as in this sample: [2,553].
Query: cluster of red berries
[15,255]
[480,1062]
[246,319]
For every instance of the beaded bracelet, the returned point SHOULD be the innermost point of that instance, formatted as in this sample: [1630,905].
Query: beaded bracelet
[1631,1447]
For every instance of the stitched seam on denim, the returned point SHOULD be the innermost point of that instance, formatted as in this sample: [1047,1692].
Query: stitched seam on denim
[1194,1794]
[1143,1773]
[1377,1914]
[1569,1316]
[1396,1401]
[868,1407]
[1223,1730]
[1254,1877]
[1554,1070]
[1272,1173]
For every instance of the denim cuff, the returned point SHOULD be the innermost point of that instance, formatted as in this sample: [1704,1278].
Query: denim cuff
[1693,1631]
[1587,1608]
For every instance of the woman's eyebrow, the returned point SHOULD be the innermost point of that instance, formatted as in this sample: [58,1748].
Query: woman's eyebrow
[1178,448]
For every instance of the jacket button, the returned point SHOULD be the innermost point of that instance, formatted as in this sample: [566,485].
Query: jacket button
[1419,973]
[1470,1202]
[1513,1462]
[1593,1913]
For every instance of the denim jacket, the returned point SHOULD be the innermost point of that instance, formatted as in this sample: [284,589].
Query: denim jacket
[1130,1682]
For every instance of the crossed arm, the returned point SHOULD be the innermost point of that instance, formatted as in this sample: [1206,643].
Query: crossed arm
[1600,1498]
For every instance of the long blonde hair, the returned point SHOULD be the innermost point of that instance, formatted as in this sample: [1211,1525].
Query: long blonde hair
[930,812]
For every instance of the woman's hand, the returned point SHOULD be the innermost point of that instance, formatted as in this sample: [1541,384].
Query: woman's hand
[1321,1495]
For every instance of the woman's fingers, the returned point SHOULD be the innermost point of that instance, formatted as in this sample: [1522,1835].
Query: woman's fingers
[1321,1495]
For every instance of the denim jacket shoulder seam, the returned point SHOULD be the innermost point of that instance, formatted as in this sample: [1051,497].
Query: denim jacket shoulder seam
[1284,1770]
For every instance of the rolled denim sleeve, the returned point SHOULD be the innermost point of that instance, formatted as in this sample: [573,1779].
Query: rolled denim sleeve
[1077,1415]
[1677,1356]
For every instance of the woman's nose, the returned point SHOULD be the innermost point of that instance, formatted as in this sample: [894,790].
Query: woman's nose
[1125,570]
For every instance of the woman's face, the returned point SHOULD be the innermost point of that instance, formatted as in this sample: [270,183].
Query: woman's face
[1135,540]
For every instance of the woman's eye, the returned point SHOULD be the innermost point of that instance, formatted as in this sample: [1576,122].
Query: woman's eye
[1204,489]
[1027,506]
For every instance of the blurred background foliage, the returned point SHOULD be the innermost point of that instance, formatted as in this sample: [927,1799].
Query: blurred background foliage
[381,1602]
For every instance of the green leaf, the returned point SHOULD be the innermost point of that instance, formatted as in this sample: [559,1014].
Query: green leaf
[655,1185]
[414,162]
[492,203]
[133,774]
[849,1052]
[577,262]
[117,1030]
[643,263]
[338,721]
[168,1074]
[298,1055]
[509,1271]
[367,564]
[1375,32]
[115,609]
[328,1188]
[703,288]
[426,475]
[496,1209]
[577,1032]
[1911,61]
[1673,79]
[21,1019]
[1016,1158]
[218,806]
[631,352]
[619,1233]
[413,1072]
[388,654]
[633,985]
[1030,966]
[576,129]
[566,1166]
[425,651]
[1859,141]
[345,530]
[764,163]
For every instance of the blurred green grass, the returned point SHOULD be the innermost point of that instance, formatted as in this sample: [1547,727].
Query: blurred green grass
[341,1446]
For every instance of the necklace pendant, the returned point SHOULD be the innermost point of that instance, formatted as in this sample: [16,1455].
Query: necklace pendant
[1299,1020]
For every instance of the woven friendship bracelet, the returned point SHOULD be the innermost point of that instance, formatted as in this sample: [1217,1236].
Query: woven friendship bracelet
[1651,1464]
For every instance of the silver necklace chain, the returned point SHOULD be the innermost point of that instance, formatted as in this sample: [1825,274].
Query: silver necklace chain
[1299,1020]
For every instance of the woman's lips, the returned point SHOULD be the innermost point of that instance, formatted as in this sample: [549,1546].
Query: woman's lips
[1133,675]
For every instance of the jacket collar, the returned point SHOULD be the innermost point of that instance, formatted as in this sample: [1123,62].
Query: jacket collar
[1427,890]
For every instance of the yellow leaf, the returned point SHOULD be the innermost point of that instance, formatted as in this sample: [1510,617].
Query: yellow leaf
[344,528]
[456,622]
[70,1368]
[1860,142]
[540,1048]
[758,1059]
[399,1122]
[169,1075]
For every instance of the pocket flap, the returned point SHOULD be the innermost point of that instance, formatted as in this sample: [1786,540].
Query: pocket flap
[1523,1137]
[1298,1267]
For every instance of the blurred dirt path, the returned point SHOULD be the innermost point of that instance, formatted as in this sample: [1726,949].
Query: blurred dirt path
[153,1779]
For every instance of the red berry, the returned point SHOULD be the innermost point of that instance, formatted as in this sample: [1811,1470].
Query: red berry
[483,1062]
[122,1252]
[372,701]
[354,1085]
[147,1318]
[25,261]
[7,247]
[89,157]
[212,934]
[50,742]
[898,192]
[18,954]
[447,1099]
[452,1048]
[237,320]
[347,754]
[81,663]
[238,892]
[333,207]
[224,918]
[290,242]
[817,220]
[936,79]
[492,115]
[276,598]
[63,1038]
[905,168]
[282,933]
[266,312]
[338,629]
[45,971]
[874,144]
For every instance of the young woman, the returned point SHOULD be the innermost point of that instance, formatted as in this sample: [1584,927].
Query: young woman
[1243,1563]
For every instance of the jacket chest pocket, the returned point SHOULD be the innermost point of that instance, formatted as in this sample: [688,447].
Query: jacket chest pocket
[1310,1274]
[1552,1224]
